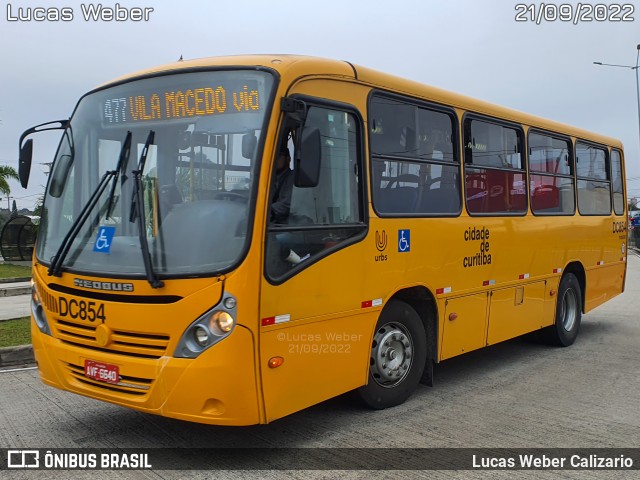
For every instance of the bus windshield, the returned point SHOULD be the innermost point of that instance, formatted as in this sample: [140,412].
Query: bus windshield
[198,177]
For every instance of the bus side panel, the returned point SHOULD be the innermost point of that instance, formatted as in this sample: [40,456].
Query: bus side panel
[516,311]
[322,359]
[465,325]
[603,283]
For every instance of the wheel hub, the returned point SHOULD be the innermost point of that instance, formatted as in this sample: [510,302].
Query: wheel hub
[569,310]
[391,355]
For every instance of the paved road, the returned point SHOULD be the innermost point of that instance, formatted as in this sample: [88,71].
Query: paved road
[14,300]
[515,394]
[14,307]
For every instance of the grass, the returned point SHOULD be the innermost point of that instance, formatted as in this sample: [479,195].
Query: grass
[7,270]
[15,332]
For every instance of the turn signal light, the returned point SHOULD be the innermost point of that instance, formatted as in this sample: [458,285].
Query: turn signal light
[275,362]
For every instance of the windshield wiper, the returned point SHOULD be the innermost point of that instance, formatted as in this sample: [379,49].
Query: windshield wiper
[137,213]
[120,167]
[63,250]
[56,264]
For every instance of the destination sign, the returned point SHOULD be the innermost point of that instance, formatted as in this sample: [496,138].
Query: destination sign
[181,103]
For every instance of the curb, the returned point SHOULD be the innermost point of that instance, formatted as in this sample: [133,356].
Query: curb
[15,279]
[14,291]
[20,355]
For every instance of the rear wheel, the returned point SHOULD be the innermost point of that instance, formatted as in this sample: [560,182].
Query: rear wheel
[568,312]
[398,354]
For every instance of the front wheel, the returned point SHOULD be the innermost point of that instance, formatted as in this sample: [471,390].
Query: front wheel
[568,312]
[398,354]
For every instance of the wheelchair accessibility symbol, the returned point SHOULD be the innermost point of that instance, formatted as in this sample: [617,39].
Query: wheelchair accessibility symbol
[404,241]
[103,239]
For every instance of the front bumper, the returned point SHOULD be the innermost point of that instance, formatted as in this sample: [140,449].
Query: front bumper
[218,387]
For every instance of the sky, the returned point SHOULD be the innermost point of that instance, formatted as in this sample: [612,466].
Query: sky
[476,48]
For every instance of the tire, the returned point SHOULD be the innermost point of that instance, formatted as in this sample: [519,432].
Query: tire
[398,355]
[568,312]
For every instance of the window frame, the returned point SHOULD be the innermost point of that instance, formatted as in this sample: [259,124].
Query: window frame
[455,132]
[325,103]
[572,166]
[518,127]
[607,169]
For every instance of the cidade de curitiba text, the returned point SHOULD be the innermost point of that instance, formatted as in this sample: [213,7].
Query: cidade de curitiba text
[89,12]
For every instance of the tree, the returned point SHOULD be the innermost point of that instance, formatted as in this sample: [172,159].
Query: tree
[14,209]
[6,173]
[37,208]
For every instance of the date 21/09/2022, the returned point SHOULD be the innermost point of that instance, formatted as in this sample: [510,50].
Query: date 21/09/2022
[574,13]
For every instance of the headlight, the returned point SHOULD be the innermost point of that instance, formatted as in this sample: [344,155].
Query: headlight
[223,320]
[209,329]
[201,335]
[39,315]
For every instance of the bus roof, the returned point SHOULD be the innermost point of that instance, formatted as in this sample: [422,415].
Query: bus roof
[292,67]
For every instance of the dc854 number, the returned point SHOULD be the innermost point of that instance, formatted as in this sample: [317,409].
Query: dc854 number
[81,309]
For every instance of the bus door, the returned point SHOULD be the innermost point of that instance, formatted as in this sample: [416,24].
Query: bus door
[311,301]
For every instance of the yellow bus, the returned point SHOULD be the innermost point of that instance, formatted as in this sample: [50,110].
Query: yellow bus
[231,240]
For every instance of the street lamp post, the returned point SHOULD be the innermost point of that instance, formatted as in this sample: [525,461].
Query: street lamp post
[635,67]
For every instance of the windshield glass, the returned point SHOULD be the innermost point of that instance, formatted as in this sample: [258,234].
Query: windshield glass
[197,180]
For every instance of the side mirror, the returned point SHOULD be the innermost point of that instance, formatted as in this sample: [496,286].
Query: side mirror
[26,148]
[308,159]
[249,144]
[24,162]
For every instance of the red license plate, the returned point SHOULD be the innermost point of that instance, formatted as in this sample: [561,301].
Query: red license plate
[102,372]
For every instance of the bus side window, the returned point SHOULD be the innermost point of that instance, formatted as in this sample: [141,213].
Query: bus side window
[550,175]
[494,172]
[594,185]
[415,166]
[617,183]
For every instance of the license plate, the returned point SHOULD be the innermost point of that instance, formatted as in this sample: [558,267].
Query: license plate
[102,372]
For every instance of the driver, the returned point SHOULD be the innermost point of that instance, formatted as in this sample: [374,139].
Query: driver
[282,188]
[281,205]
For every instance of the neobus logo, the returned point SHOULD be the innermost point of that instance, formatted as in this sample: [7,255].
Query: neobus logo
[110,286]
